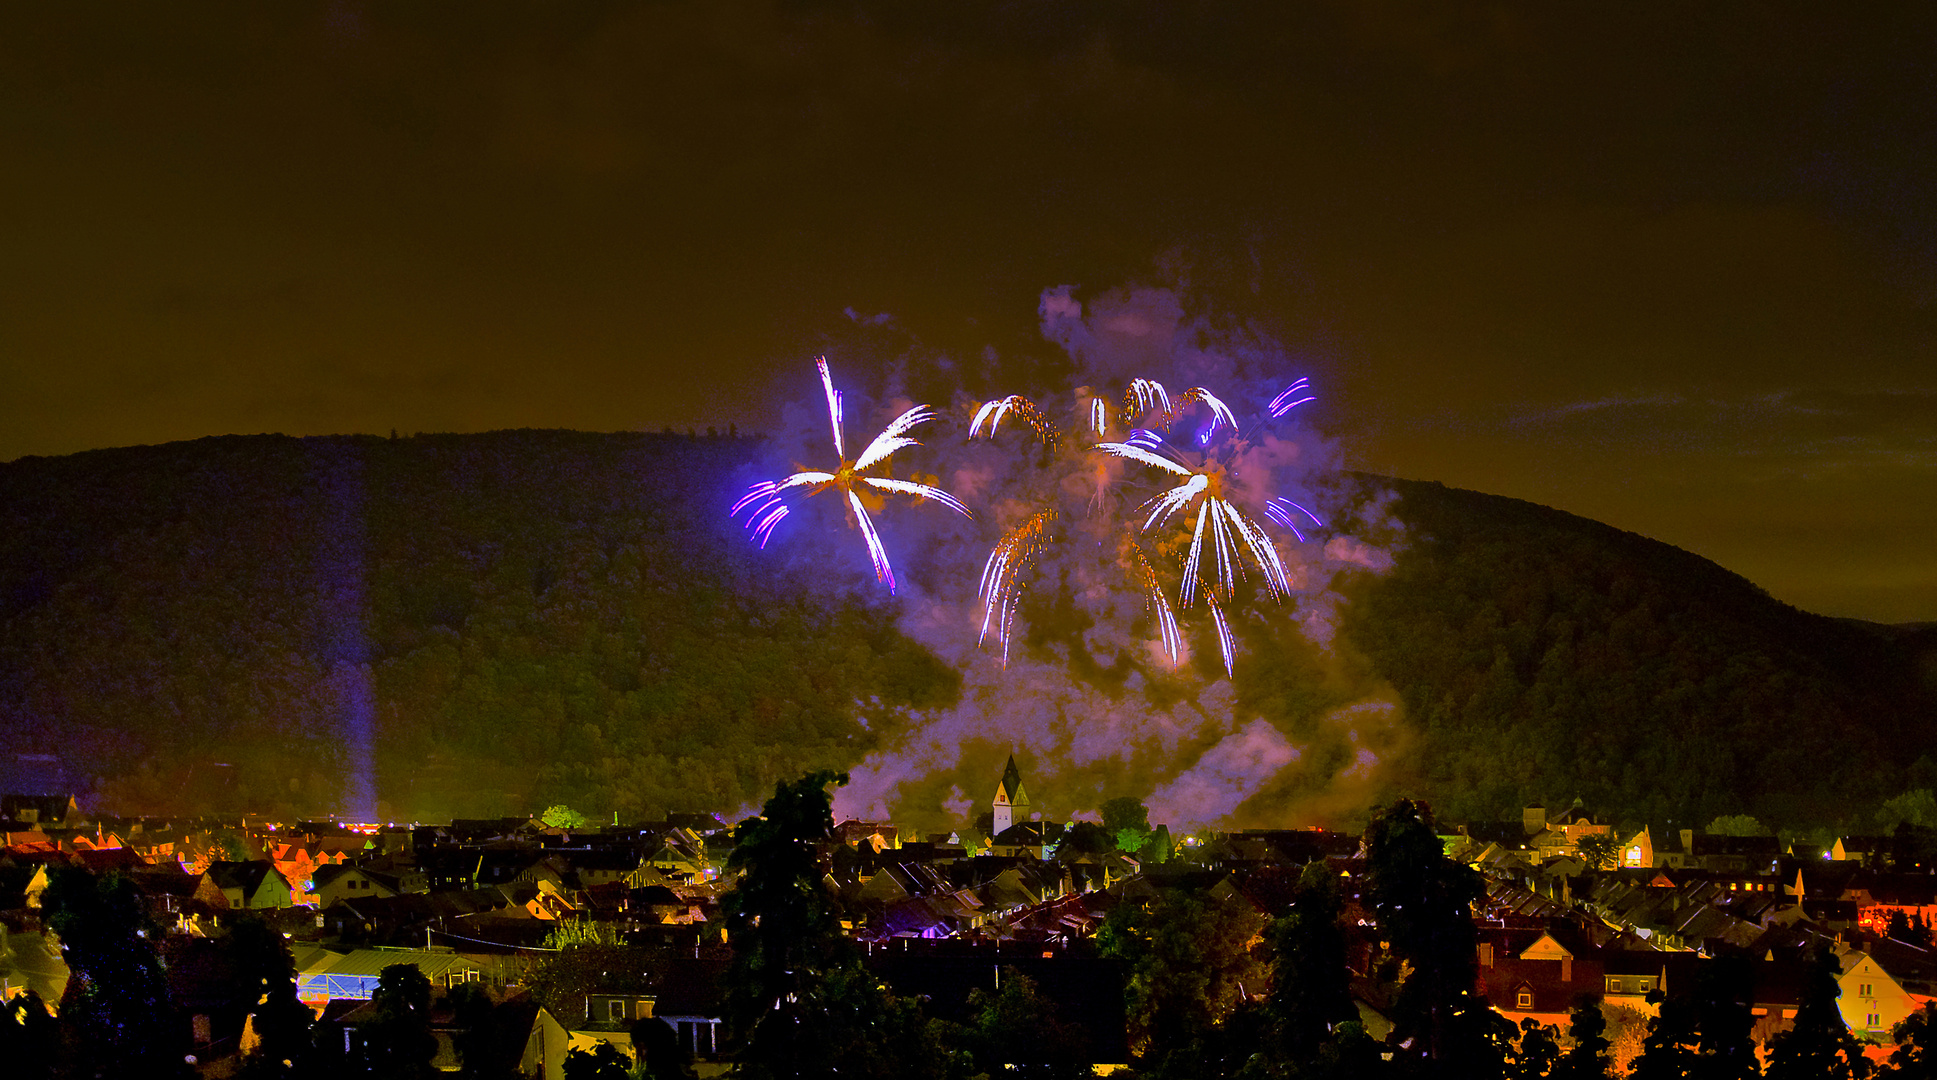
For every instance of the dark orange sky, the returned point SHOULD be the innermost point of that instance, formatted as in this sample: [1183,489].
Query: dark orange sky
[1674,269]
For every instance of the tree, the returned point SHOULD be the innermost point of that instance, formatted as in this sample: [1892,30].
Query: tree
[1535,1053]
[478,1040]
[397,1042]
[1736,825]
[1588,1058]
[562,817]
[1189,962]
[1156,848]
[1600,851]
[1668,1053]
[1917,807]
[661,1056]
[1909,928]
[1725,1020]
[797,994]
[30,1038]
[603,1062]
[1016,1031]
[1126,819]
[115,1016]
[1422,902]
[1915,1056]
[278,1027]
[1311,982]
[1819,1046]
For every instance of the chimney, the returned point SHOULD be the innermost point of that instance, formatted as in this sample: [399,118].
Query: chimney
[1566,967]
[1486,954]
[1688,841]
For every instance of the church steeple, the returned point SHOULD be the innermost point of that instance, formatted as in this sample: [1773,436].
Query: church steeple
[1011,802]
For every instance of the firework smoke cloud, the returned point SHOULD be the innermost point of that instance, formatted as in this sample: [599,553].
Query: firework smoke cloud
[1146,600]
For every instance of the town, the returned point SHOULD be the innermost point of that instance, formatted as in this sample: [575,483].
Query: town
[1573,914]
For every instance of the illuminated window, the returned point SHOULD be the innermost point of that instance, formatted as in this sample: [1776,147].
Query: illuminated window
[1862,989]
[1525,1000]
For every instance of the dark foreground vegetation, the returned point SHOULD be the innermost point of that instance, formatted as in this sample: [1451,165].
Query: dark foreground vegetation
[499,622]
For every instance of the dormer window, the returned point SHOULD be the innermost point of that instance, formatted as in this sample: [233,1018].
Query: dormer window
[1524,1000]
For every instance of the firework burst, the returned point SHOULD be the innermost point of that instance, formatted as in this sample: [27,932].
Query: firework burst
[766,503]
[1201,492]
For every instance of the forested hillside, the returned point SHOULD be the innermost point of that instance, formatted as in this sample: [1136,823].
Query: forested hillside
[517,618]
[1545,656]
[526,615]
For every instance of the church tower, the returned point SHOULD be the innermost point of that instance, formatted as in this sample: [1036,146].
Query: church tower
[1011,803]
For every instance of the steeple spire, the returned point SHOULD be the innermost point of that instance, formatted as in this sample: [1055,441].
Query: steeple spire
[1011,802]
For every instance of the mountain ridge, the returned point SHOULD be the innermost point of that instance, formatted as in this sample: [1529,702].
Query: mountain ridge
[541,616]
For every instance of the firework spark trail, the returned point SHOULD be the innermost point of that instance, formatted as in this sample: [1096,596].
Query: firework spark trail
[1280,509]
[1220,412]
[1001,587]
[766,504]
[1160,610]
[1288,398]
[1224,642]
[1025,410]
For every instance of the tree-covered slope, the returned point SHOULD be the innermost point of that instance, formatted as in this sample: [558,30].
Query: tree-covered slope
[1544,656]
[501,621]
[521,616]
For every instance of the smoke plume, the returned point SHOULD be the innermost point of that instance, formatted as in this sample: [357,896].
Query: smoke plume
[1085,694]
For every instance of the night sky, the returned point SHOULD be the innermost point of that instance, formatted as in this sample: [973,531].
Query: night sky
[1669,266]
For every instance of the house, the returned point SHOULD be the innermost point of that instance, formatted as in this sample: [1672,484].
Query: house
[1026,840]
[1560,835]
[254,884]
[1724,854]
[34,793]
[1873,1002]
[1879,896]
[605,866]
[1866,850]
[325,975]
[681,854]
[876,835]
[620,1011]
[1541,981]
[1638,851]
[344,882]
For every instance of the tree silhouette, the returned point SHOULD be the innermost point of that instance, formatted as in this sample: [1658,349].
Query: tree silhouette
[397,1043]
[1915,1056]
[1189,965]
[1588,1058]
[278,1020]
[1423,901]
[1015,1031]
[30,1037]
[1819,1046]
[797,994]
[1311,984]
[115,1016]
